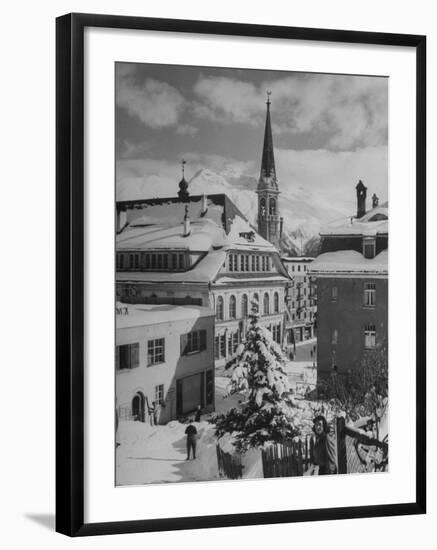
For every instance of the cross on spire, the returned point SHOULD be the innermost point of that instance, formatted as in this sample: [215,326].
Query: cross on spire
[183,163]
[269,93]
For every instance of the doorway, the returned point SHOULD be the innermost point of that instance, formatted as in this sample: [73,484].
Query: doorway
[138,409]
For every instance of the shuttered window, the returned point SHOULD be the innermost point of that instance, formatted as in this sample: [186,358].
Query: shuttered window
[193,342]
[127,356]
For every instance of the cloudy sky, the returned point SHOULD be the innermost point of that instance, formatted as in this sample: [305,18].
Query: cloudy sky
[329,130]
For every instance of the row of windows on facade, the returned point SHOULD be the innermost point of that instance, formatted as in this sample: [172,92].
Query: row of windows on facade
[225,344]
[151,261]
[244,310]
[249,262]
[304,315]
[369,336]
[369,294]
[297,268]
[127,356]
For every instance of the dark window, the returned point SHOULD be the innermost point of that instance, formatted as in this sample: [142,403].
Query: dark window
[266,304]
[220,309]
[232,307]
[209,387]
[127,356]
[369,336]
[334,293]
[217,347]
[159,393]
[193,342]
[244,305]
[276,302]
[223,345]
[369,294]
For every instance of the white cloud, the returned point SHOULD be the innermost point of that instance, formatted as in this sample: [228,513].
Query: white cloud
[351,110]
[155,103]
[187,129]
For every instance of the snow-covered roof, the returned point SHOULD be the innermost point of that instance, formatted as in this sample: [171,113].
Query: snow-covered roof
[154,314]
[165,235]
[350,261]
[374,222]
[242,236]
[172,213]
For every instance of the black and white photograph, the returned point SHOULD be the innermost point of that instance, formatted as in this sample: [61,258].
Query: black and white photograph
[251,274]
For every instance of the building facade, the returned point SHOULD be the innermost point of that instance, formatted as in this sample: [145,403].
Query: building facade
[164,354]
[202,252]
[352,289]
[301,299]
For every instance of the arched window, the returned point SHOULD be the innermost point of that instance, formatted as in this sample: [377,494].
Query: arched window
[272,207]
[244,306]
[232,307]
[255,301]
[266,304]
[220,309]
[276,302]
[262,207]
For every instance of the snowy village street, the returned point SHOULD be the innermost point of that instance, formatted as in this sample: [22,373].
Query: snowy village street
[157,454]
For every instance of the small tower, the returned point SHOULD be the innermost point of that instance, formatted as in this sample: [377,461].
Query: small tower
[183,185]
[361,199]
[375,200]
[268,213]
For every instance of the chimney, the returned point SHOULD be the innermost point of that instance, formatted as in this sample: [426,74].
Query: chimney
[375,200]
[187,229]
[281,226]
[204,205]
[361,199]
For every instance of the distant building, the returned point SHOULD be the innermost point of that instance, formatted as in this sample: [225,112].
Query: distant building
[301,299]
[164,354]
[201,252]
[352,288]
[269,222]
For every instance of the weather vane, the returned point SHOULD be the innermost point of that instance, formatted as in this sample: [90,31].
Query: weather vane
[269,93]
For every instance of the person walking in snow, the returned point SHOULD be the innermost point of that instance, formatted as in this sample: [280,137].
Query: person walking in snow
[191,434]
[198,413]
[324,450]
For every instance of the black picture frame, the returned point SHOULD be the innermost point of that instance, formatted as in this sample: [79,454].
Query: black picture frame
[70,273]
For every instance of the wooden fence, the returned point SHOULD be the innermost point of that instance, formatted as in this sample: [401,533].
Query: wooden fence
[229,465]
[291,458]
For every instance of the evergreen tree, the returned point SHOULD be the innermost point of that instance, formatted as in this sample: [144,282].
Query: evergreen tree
[257,372]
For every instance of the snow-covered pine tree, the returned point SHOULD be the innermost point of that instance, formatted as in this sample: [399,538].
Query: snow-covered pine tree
[257,372]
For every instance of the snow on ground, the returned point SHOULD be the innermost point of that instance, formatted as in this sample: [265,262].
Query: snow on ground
[157,454]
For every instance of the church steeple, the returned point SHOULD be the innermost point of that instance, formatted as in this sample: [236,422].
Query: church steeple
[268,171]
[268,215]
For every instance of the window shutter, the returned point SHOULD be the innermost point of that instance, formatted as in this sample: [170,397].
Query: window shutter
[184,341]
[202,340]
[134,355]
